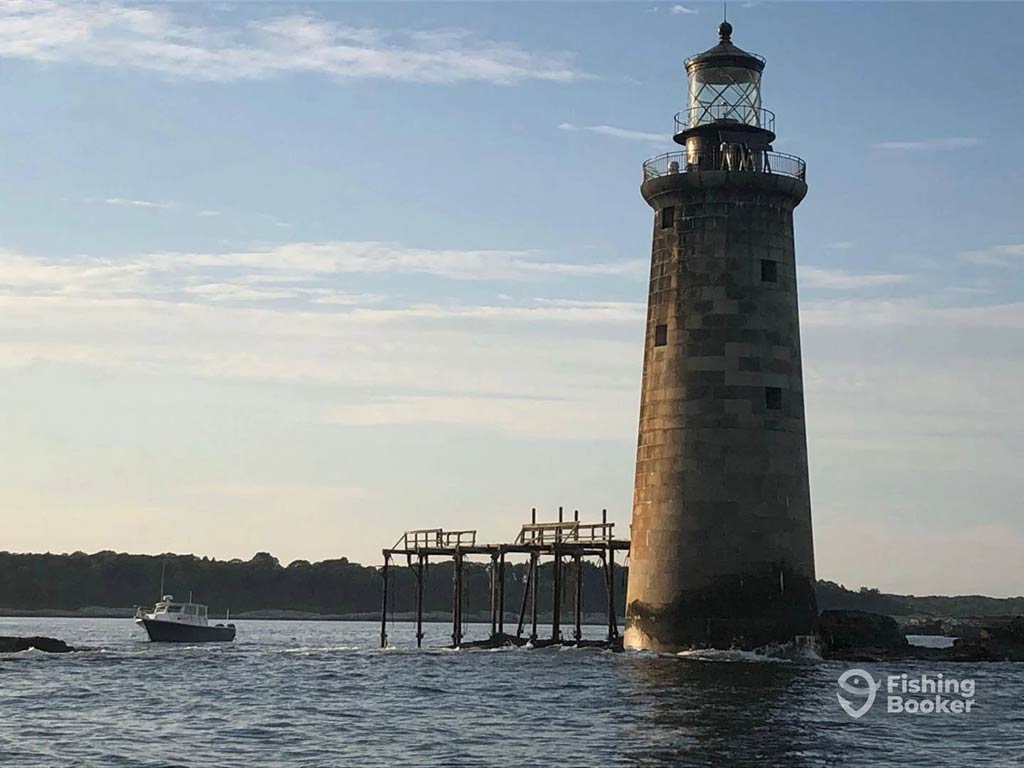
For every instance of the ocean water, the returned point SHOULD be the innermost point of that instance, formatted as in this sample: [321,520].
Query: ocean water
[323,694]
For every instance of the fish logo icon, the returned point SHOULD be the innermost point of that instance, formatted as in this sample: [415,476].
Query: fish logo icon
[862,685]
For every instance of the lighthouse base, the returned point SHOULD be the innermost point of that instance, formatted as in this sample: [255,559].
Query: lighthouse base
[742,612]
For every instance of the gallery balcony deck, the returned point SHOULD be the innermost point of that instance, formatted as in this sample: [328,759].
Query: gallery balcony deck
[734,159]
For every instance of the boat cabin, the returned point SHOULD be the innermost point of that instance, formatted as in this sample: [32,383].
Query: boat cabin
[185,613]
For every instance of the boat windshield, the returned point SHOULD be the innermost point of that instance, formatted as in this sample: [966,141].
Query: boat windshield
[173,609]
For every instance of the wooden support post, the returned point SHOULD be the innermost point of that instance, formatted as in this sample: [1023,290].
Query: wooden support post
[535,575]
[556,601]
[501,594]
[526,596]
[577,604]
[494,594]
[613,624]
[384,603]
[457,600]
[607,590]
[419,600]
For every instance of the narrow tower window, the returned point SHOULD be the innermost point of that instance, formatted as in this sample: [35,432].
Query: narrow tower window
[769,271]
[660,335]
[668,217]
[773,398]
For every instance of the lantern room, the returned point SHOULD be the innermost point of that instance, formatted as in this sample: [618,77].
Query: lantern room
[724,89]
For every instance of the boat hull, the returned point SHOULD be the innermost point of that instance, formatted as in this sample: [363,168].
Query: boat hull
[172,632]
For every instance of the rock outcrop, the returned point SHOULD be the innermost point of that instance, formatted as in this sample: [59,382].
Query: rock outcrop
[859,635]
[862,636]
[47,644]
[997,639]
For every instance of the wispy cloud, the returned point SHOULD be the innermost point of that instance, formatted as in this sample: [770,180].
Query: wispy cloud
[534,417]
[841,245]
[155,312]
[910,313]
[163,40]
[618,133]
[137,203]
[682,9]
[927,145]
[840,279]
[302,273]
[153,205]
[1010,255]
[128,202]
[377,257]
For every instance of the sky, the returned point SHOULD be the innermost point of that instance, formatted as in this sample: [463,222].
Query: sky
[297,277]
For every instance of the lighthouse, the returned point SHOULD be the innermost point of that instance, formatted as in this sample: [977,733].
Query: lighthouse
[721,550]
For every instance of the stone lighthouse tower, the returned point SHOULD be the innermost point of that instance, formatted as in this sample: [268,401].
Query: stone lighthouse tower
[722,553]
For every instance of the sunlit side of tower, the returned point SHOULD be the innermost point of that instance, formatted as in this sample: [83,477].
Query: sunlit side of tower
[721,546]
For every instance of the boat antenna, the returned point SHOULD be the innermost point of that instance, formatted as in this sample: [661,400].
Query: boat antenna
[163,571]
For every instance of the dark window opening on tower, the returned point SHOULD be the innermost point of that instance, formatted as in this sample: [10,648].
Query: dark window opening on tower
[660,335]
[668,217]
[773,398]
[769,271]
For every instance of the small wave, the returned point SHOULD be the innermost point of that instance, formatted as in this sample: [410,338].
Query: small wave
[31,651]
[308,649]
[426,689]
[713,654]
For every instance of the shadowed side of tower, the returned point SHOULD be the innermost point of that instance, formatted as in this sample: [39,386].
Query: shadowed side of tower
[721,544]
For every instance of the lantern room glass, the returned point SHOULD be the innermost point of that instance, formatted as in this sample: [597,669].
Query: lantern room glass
[725,94]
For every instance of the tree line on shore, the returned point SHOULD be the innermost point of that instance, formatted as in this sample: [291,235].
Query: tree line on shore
[72,582]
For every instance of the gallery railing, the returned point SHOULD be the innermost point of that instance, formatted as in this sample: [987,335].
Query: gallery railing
[724,114]
[733,158]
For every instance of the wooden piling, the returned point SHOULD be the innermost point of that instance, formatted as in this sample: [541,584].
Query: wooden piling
[526,596]
[384,604]
[457,601]
[577,603]
[501,594]
[494,594]
[556,601]
[420,575]
[535,574]
[613,624]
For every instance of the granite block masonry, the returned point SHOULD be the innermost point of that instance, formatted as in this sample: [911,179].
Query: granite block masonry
[721,544]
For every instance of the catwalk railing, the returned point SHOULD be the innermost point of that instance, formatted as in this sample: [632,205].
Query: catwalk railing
[733,158]
[435,538]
